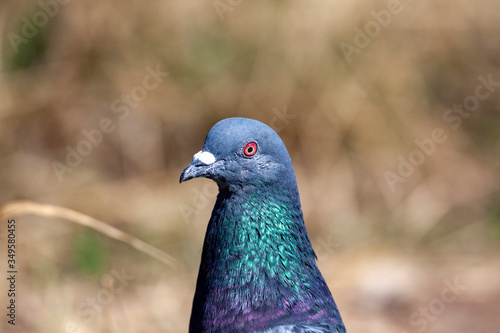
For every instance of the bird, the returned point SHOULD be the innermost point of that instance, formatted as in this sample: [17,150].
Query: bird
[258,270]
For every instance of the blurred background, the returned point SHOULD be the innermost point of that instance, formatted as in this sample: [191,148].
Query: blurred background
[389,109]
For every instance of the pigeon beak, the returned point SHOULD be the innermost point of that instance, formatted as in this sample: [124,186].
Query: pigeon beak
[198,167]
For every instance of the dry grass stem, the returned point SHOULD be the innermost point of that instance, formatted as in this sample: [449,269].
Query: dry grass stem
[28,207]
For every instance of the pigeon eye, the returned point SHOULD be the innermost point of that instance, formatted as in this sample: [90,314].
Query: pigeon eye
[250,149]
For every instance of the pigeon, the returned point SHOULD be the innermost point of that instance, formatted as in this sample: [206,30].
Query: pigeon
[258,270]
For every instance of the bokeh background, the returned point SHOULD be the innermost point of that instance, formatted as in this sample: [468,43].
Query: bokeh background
[407,232]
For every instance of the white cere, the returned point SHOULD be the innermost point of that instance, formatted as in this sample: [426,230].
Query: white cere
[205,157]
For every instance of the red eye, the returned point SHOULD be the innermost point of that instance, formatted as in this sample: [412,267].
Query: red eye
[250,149]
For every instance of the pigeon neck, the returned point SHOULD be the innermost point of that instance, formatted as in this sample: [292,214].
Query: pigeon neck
[258,265]
[241,220]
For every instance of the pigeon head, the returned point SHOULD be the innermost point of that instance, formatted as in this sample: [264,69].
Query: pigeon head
[240,152]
